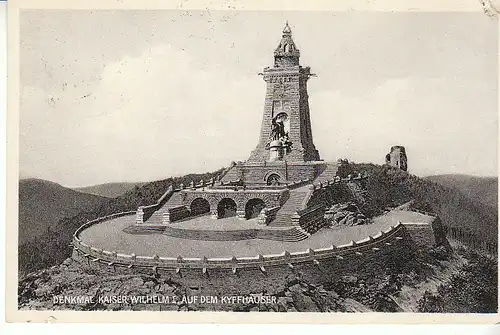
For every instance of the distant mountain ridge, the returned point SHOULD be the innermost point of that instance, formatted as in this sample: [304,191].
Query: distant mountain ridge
[109,190]
[50,247]
[479,189]
[43,203]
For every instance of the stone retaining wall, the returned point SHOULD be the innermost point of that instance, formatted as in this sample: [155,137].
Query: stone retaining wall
[321,195]
[245,275]
[267,273]
[112,258]
[310,219]
[175,214]
[421,233]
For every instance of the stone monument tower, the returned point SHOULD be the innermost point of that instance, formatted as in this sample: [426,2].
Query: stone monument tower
[285,152]
[285,133]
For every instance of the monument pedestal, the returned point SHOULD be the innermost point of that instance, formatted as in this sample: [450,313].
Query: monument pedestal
[275,151]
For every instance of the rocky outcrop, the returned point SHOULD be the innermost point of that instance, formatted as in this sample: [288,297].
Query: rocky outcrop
[41,291]
[345,214]
[396,289]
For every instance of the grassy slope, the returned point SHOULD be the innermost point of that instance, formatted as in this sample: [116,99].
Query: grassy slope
[51,247]
[42,204]
[110,190]
[480,189]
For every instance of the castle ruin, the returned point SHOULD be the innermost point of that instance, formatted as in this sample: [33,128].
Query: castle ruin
[397,158]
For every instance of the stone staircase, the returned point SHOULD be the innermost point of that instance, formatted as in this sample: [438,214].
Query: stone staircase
[231,175]
[328,173]
[292,205]
[294,234]
[157,217]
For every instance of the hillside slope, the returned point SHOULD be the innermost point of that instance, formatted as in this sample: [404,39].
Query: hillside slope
[389,186]
[460,283]
[43,203]
[51,246]
[110,190]
[480,189]
[424,283]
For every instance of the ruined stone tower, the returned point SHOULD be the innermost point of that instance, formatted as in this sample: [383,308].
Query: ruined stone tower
[285,133]
[397,158]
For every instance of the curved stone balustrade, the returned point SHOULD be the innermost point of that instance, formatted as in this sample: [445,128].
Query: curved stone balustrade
[76,234]
[423,212]
[367,245]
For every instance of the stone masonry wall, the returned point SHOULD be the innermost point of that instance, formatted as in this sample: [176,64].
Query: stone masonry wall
[289,172]
[287,88]
[251,280]
[421,233]
[250,274]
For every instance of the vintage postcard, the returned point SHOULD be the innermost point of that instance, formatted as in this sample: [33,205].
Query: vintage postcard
[314,163]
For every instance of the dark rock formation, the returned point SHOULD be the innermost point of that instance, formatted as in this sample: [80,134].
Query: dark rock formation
[345,214]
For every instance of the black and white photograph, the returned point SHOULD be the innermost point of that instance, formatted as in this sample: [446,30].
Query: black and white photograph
[268,161]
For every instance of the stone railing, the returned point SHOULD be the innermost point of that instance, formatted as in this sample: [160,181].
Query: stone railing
[318,187]
[228,186]
[423,212]
[99,220]
[155,262]
[193,186]
[298,183]
[236,185]
[144,212]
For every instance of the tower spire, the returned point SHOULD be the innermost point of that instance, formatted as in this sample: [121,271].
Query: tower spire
[286,54]
[287,29]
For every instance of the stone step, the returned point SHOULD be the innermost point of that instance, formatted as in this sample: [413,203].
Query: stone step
[290,235]
[290,207]
[157,217]
[282,220]
[231,175]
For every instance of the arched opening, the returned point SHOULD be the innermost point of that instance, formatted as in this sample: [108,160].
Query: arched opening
[273,179]
[253,208]
[199,206]
[226,208]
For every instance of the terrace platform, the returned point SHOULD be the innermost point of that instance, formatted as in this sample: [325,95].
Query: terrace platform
[110,235]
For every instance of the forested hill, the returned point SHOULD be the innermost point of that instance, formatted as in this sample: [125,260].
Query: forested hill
[110,190]
[389,186]
[480,189]
[43,203]
[51,246]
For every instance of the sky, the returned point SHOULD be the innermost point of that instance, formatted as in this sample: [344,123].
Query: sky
[143,95]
